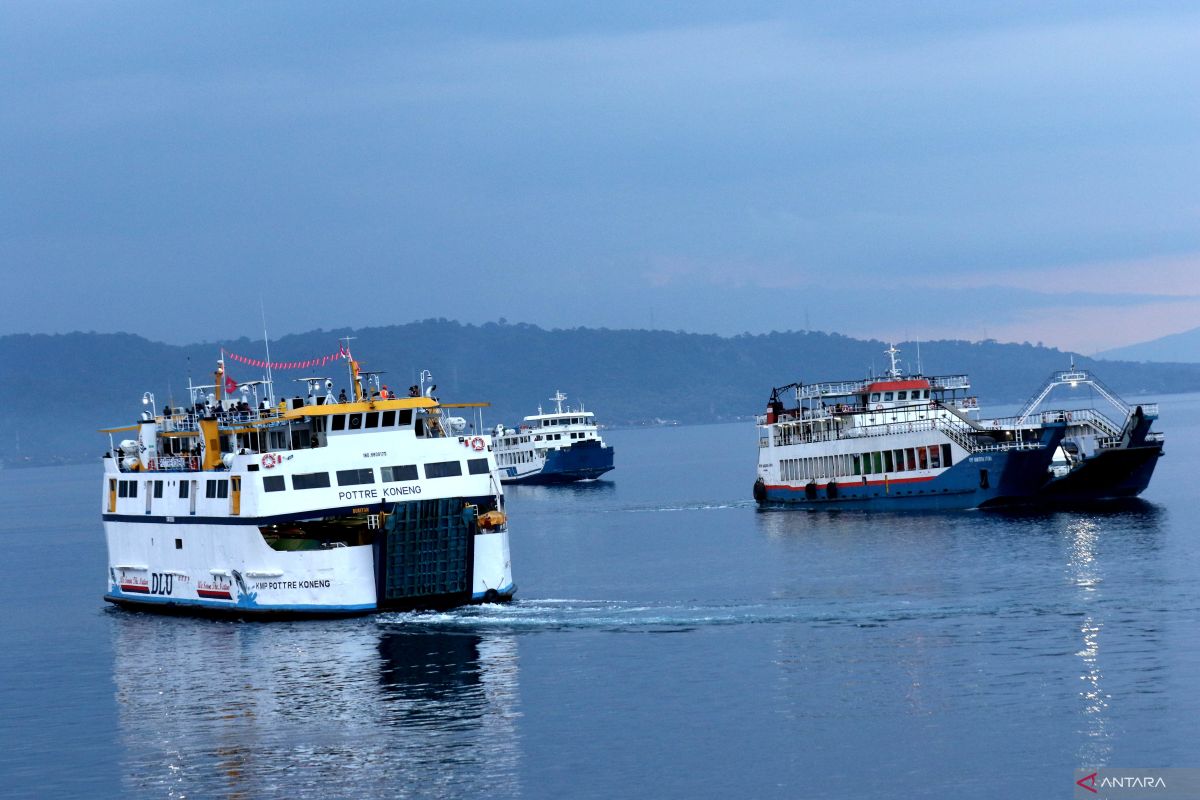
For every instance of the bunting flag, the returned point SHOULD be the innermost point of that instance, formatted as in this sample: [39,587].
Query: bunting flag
[310,363]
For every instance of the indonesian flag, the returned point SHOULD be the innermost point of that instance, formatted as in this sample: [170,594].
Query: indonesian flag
[230,385]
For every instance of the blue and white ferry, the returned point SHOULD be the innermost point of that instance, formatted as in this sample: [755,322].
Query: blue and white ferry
[896,442]
[556,447]
[313,506]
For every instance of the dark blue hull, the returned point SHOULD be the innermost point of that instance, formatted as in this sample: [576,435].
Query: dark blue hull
[1109,475]
[581,461]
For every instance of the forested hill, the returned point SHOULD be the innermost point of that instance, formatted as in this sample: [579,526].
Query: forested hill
[57,390]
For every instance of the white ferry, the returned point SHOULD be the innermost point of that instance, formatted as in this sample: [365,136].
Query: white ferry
[313,506]
[896,442]
[1103,455]
[558,447]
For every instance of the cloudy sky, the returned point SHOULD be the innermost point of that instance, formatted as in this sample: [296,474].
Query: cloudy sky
[1017,171]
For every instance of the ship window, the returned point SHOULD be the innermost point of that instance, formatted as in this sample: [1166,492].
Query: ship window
[857,459]
[887,396]
[406,416]
[922,458]
[443,469]
[372,420]
[898,457]
[354,477]
[875,397]
[273,483]
[406,472]
[389,419]
[183,489]
[935,460]
[946,460]
[420,428]
[902,395]
[311,480]
[910,458]
[339,422]
[157,489]
[877,462]
[888,464]
[222,488]
[123,489]
[210,489]
[477,466]
[355,421]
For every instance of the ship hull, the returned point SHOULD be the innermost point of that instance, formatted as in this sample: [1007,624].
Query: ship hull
[227,568]
[579,462]
[1118,473]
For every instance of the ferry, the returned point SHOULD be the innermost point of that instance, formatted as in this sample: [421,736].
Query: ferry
[896,442]
[558,447]
[1103,456]
[312,506]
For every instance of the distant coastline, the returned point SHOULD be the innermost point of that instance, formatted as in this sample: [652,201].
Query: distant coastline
[632,378]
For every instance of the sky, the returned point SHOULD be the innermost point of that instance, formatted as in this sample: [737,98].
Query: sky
[1019,171]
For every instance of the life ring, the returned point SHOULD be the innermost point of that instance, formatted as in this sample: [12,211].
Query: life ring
[150,464]
[269,460]
[879,406]
[477,444]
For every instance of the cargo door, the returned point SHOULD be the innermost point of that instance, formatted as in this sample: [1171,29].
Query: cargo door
[424,555]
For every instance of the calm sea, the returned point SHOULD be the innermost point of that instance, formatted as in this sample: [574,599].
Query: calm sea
[670,641]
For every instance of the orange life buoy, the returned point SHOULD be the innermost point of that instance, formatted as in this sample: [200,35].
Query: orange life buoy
[477,444]
[268,460]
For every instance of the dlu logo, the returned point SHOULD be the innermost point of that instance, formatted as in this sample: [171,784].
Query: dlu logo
[1088,782]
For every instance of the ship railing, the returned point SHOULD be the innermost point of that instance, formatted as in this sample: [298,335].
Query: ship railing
[190,422]
[831,389]
[1156,436]
[957,432]
[1149,409]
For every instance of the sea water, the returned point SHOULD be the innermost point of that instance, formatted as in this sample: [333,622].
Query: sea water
[669,640]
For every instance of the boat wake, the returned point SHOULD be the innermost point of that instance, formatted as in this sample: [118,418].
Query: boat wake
[699,506]
[624,616]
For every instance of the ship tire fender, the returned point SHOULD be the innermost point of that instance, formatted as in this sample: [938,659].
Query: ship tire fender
[760,491]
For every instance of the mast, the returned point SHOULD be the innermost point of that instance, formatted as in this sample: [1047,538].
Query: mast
[352,366]
[892,352]
[267,344]
[558,398]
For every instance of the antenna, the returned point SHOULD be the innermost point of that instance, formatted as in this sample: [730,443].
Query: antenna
[919,371]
